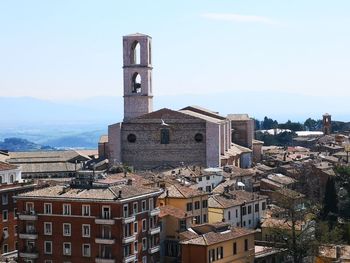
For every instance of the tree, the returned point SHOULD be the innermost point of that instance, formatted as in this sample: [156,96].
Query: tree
[269,123]
[310,124]
[330,202]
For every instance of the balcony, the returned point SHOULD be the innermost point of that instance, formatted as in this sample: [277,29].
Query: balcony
[129,239]
[154,249]
[154,231]
[154,212]
[104,260]
[130,258]
[30,253]
[28,215]
[105,240]
[104,221]
[29,235]
[127,220]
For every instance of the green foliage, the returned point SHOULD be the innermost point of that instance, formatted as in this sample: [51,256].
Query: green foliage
[269,123]
[293,126]
[281,139]
[313,125]
[326,235]
[342,170]
[330,202]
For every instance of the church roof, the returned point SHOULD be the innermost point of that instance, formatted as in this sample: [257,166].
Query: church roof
[204,111]
[238,117]
[201,116]
[163,114]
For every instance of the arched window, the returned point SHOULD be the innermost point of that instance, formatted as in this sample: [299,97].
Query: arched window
[135,53]
[12,178]
[136,83]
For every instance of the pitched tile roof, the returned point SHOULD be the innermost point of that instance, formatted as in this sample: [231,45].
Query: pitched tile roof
[179,191]
[5,166]
[172,211]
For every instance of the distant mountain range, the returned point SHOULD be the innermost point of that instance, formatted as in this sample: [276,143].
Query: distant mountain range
[18,144]
[80,123]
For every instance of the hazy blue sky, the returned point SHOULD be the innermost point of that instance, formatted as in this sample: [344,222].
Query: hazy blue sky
[61,50]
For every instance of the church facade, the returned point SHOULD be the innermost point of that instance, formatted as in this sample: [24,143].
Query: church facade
[148,139]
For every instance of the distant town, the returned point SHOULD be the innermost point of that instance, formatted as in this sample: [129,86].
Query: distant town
[184,186]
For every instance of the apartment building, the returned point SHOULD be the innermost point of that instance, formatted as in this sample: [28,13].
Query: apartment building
[219,243]
[240,208]
[194,202]
[89,222]
[11,185]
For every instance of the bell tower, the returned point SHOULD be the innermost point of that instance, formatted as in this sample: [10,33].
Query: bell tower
[327,124]
[137,67]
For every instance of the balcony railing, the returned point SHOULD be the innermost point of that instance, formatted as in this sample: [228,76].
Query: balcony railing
[104,260]
[104,221]
[29,234]
[129,219]
[105,240]
[154,230]
[129,258]
[154,212]
[129,239]
[154,249]
[28,215]
[31,253]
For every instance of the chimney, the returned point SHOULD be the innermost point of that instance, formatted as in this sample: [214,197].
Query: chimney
[120,194]
[129,182]
[337,252]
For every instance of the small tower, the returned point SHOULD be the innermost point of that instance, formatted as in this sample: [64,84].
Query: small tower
[327,124]
[137,65]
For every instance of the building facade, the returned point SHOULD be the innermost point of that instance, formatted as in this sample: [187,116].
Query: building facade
[11,185]
[118,223]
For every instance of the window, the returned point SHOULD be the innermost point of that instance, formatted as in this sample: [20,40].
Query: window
[136,83]
[5,248]
[204,218]
[205,203]
[4,215]
[16,230]
[196,205]
[66,229]
[66,209]
[85,230]
[5,199]
[236,213]
[86,250]
[243,223]
[144,205]
[67,249]
[5,233]
[208,177]
[48,247]
[135,247]
[256,207]
[244,210]
[15,213]
[189,206]
[249,222]
[136,227]
[151,206]
[219,252]
[125,210]
[47,209]
[263,206]
[208,188]
[200,179]
[144,259]
[144,244]
[197,219]
[245,244]
[144,225]
[47,228]
[211,255]
[229,215]
[30,208]
[183,225]
[198,137]
[135,208]
[135,53]
[249,209]
[234,248]
[106,214]
[131,138]
[164,136]
[12,178]
[85,210]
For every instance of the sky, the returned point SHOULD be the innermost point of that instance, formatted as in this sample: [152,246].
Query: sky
[72,50]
